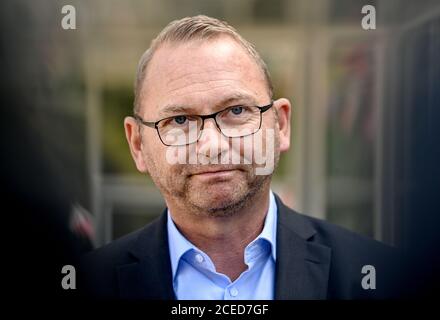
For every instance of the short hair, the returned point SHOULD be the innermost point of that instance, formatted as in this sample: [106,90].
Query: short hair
[198,27]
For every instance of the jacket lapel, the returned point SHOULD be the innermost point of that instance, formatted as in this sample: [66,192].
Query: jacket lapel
[149,276]
[302,266]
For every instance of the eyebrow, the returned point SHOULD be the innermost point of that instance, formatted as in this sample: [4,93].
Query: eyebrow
[170,110]
[173,109]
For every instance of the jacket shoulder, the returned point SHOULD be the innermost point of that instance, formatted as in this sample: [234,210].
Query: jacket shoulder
[336,236]
[115,252]
[353,257]
[357,258]
[98,268]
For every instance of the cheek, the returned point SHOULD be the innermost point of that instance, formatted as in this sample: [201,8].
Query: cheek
[251,148]
[178,155]
[247,148]
[265,145]
[154,154]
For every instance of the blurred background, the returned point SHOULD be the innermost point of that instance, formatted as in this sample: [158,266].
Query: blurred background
[365,109]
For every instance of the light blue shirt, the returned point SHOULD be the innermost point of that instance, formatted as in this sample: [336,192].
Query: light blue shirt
[195,277]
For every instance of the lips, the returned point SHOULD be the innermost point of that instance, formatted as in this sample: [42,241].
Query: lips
[214,171]
[215,176]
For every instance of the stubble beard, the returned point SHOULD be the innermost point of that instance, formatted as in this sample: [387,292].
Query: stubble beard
[229,199]
[179,187]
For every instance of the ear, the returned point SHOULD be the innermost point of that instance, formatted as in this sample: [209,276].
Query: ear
[134,142]
[283,109]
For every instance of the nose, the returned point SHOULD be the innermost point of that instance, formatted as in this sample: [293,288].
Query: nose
[212,143]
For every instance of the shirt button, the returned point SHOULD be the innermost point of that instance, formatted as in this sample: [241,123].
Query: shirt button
[199,258]
[233,292]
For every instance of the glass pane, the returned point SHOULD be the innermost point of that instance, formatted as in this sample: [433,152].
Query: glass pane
[351,136]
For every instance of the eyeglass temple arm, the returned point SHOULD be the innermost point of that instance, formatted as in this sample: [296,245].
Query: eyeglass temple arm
[148,124]
[265,108]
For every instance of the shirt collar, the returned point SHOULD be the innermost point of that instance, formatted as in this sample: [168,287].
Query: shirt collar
[270,225]
[179,245]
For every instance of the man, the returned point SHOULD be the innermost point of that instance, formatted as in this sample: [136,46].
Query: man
[203,98]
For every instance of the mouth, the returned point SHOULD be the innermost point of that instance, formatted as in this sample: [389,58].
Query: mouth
[220,173]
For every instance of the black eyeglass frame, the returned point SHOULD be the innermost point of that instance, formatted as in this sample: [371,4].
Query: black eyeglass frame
[154,124]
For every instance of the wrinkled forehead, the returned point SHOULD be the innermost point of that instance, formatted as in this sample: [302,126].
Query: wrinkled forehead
[201,73]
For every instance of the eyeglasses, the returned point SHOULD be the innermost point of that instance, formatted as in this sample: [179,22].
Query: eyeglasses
[232,122]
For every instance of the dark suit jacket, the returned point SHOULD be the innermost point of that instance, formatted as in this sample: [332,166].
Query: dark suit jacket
[315,260]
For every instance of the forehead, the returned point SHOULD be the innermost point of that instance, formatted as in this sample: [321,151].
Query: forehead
[201,73]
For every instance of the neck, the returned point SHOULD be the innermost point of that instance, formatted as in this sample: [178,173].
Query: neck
[224,238]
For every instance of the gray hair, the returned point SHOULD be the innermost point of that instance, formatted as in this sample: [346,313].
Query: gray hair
[193,28]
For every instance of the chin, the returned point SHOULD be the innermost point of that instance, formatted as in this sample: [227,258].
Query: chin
[219,200]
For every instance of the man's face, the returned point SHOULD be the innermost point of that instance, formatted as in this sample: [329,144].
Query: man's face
[199,78]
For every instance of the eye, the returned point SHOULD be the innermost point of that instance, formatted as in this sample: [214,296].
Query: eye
[180,119]
[236,110]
